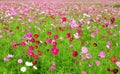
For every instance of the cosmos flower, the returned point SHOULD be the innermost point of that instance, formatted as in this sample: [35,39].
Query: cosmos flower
[28,63]
[10,55]
[22,43]
[90,65]
[76,35]
[63,19]
[83,72]
[55,51]
[102,54]
[118,64]
[31,48]
[20,61]
[28,36]
[1,36]
[35,67]
[53,67]
[23,69]
[84,49]
[30,53]
[97,62]
[89,56]
[108,45]
[6,59]
[36,35]
[93,35]
[74,53]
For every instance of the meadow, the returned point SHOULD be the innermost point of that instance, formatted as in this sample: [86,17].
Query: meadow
[40,37]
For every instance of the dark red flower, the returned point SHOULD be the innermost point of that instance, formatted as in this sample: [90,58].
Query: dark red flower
[35,62]
[115,71]
[36,35]
[71,39]
[74,53]
[32,40]
[114,59]
[68,35]
[5,28]
[49,33]
[36,47]
[60,29]
[112,20]
[37,42]
[39,53]
[35,56]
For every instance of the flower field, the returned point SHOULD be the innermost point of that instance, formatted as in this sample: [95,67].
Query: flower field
[54,37]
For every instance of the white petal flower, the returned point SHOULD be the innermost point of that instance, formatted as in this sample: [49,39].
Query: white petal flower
[23,69]
[35,67]
[28,63]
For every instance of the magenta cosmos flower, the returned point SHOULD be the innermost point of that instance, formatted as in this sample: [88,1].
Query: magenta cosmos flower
[102,54]
[54,51]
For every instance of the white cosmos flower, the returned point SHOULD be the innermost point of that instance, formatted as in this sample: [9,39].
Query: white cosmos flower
[28,63]
[23,69]
[35,67]
[42,12]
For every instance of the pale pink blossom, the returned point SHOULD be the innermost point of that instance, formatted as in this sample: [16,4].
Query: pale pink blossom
[53,67]
[20,61]
[83,72]
[84,49]
[97,62]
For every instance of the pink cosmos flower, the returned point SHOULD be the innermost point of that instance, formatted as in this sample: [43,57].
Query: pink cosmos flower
[6,59]
[83,57]
[30,53]
[84,49]
[74,24]
[76,36]
[64,24]
[10,56]
[14,45]
[102,54]
[93,35]
[96,31]
[83,72]
[91,64]
[1,36]
[118,64]
[28,36]
[14,13]
[97,62]
[53,67]
[79,31]
[22,43]
[31,48]
[108,45]
[89,56]
[20,61]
